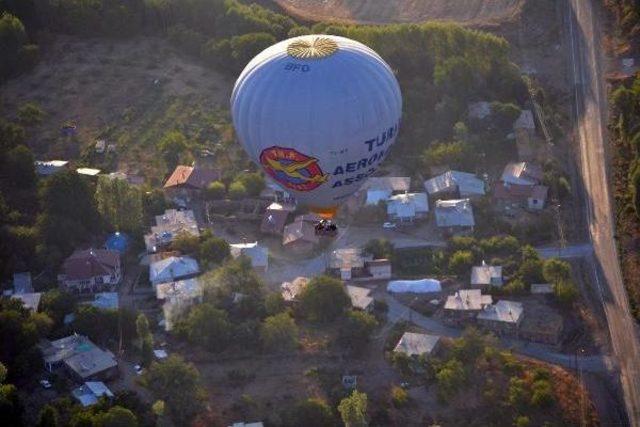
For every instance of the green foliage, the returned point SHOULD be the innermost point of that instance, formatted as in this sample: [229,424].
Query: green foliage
[530,271]
[450,377]
[18,167]
[504,114]
[556,270]
[253,182]
[399,397]
[11,406]
[542,393]
[461,262]
[518,394]
[118,416]
[48,417]
[635,190]
[237,190]
[515,286]
[145,339]
[357,328]
[186,243]
[172,146]
[120,204]
[235,276]
[11,135]
[522,421]
[379,248]
[213,250]
[15,51]
[234,53]
[104,325]
[454,154]
[30,114]
[312,412]
[177,384]
[324,299]
[216,191]
[207,327]
[279,333]
[565,291]
[353,409]
[57,303]
[274,303]
[3,372]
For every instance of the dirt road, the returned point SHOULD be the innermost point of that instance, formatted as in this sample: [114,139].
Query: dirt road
[386,11]
[590,106]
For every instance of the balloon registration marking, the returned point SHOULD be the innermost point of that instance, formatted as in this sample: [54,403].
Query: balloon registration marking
[319,47]
[292,169]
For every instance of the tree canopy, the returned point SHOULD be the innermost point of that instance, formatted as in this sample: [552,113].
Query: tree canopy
[324,299]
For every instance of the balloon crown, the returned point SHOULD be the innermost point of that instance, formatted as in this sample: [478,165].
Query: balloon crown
[312,48]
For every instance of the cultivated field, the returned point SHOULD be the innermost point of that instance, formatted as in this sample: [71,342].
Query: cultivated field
[386,11]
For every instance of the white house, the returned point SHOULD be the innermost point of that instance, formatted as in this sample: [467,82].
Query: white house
[502,317]
[459,184]
[414,344]
[486,275]
[407,207]
[454,215]
[382,187]
[173,268]
[522,173]
[259,255]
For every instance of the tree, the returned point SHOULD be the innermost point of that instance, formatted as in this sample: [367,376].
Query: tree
[530,271]
[118,416]
[461,262]
[172,145]
[454,154]
[274,303]
[279,333]
[18,167]
[379,248]
[120,204]
[324,299]
[237,190]
[57,303]
[11,135]
[399,396]
[13,38]
[3,373]
[253,182]
[206,326]
[214,250]
[48,417]
[357,328]
[504,115]
[235,276]
[565,291]
[246,46]
[215,191]
[555,270]
[312,412]
[145,339]
[30,113]
[353,409]
[450,378]
[11,406]
[177,384]
[186,243]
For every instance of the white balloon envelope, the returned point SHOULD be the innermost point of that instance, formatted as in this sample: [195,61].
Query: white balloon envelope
[319,114]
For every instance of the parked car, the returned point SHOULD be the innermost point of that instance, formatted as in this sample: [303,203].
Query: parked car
[45,384]
[389,225]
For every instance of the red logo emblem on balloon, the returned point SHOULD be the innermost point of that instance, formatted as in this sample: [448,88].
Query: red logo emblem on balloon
[292,169]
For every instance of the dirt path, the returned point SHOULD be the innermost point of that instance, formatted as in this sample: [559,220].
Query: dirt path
[386,11]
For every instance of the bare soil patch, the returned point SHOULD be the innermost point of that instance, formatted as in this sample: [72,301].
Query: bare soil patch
[399,11]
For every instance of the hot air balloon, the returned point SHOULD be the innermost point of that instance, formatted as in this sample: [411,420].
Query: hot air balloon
[318,113]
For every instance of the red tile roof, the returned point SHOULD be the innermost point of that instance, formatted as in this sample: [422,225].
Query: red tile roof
[191,177]
[83,265]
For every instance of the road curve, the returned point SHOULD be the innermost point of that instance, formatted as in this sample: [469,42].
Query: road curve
[590,106]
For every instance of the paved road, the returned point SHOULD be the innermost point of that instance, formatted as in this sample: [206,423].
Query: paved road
[597,363]
[574,251]
[584,42]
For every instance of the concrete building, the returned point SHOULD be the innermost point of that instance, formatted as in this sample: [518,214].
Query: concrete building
[259,255]
[486,275]
[360,298]
[455,216]
[168,226]
[464,305]
[408,207]
[415,345]
[91,270]
[173,268]
[502,318]
[455,184]
[81,358]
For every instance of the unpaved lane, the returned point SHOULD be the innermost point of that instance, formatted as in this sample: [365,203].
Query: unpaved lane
[396,11]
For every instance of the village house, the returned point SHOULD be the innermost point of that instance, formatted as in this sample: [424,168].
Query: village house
[360,298]
[22,283]
[421,286]
[541,289]
[30,301]
[542,324]
[406,208]
[259,255]
[88,172]
[106,301]
[455,184]
[416,345]
[525,123]
[522,173]
[90,392]
[352,264]
[274,219]
[177,297]
[300,236]
[464,306]
[486,275]
[134,180]
[81,358]
[275,193]
[532,197]
[23,291]
[455,216]
[173,268]
[91,270]
[380,188]
[291,290]
[168,226]
[186,182]
[502,318]
[50,167]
